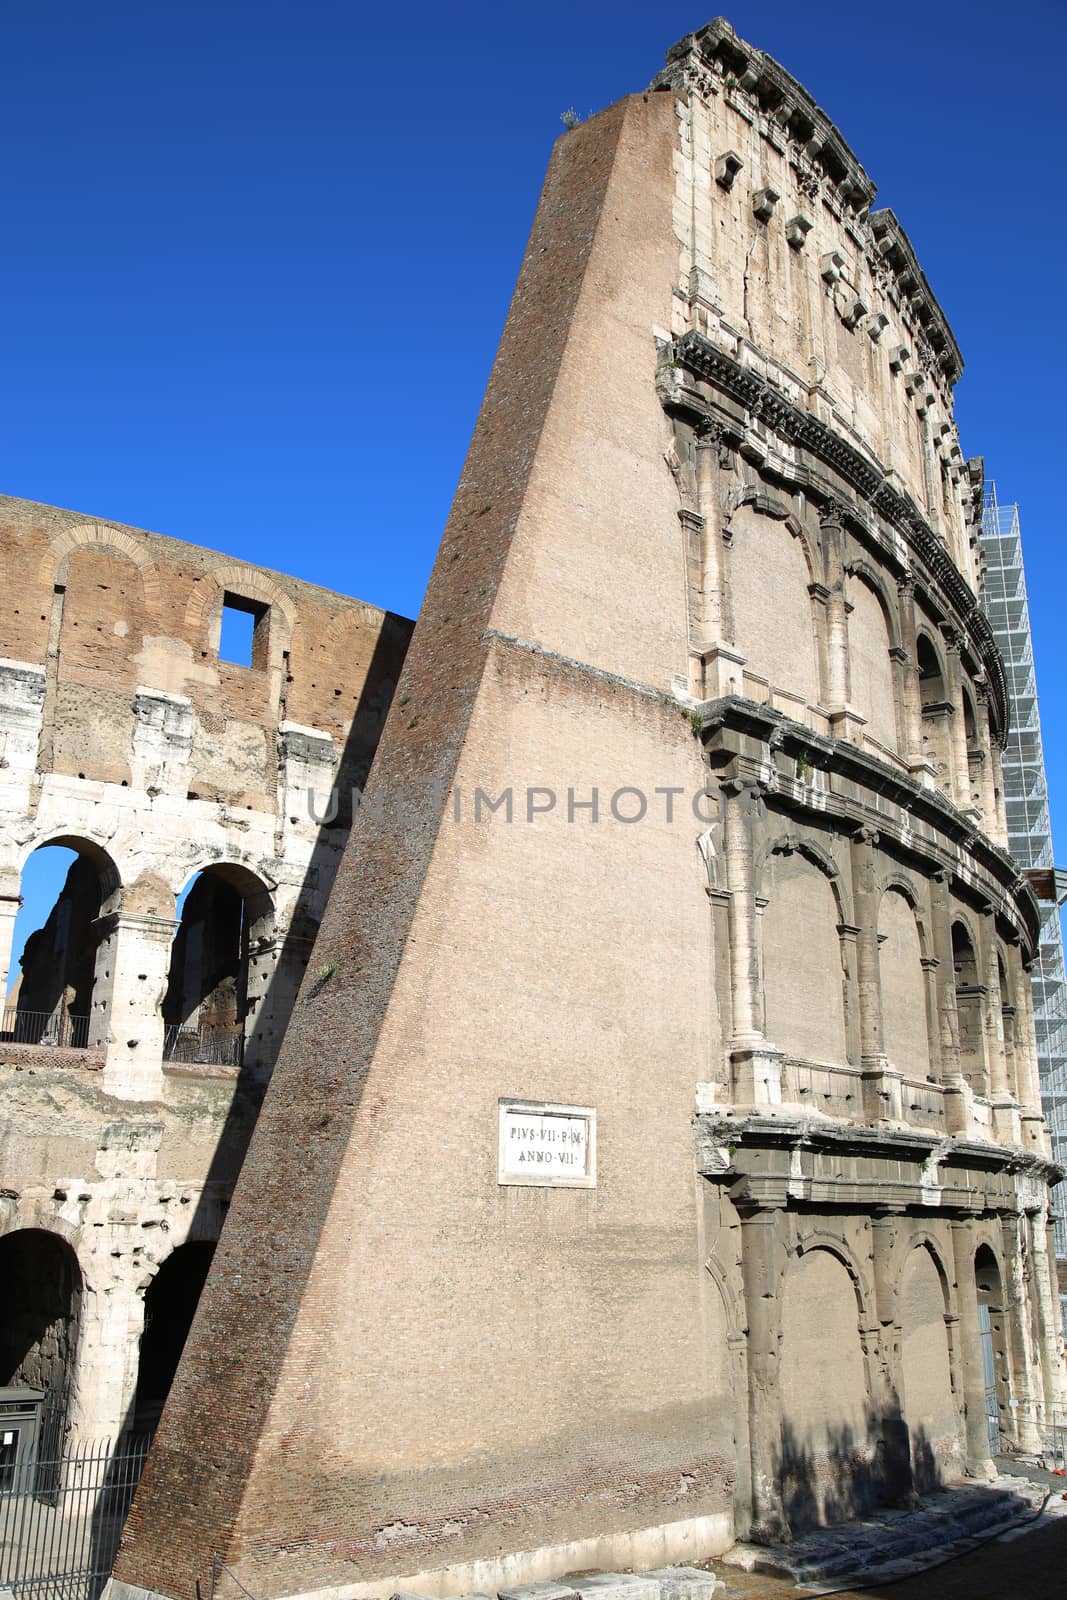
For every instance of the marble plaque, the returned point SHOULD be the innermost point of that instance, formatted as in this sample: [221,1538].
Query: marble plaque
[552,1146]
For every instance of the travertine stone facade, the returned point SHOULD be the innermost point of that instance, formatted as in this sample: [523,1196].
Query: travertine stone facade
[703,636]
[124,736]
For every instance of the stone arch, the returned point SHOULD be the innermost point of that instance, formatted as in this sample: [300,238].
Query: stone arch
[98,535]
[82,843]
[40,1324]
[935,707]
[170,1300]
[905,1030]
[990,1285]
[804,977]
[872,639]
[216,980]
[724,1352]
[203,613]
[928,1402]
[823,1469]
[875,579]
[62,994]
[771,554]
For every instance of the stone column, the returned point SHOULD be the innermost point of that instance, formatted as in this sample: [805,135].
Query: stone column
[132,966]
[1034,1131]
[757,1065]
[716,623]
[913,715]
[1053,1377]
[760,1261]
[985,735]
[888,1390]
[10,901]
[881,1087]
[957,733]
[930,965]
[849,934]
[837,664]
[958,1096]
[976,1432]
[1027,1432]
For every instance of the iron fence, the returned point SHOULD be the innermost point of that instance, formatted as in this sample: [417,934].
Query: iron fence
[219,1047]
[44,1027]
[61,1519]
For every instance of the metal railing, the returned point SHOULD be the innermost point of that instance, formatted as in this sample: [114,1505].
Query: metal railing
[61,1520]
[218,1047]
[44,1027]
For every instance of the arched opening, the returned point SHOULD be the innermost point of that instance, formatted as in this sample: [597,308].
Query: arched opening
[904,1023]
[766,558]
[170,1304]
[825,1470]
[872,689]
[969,994]
[993,1336]
[929,1405]
[67,885]
[937,712]
[976,755]
[40,1318]
[804,978]
[226,913]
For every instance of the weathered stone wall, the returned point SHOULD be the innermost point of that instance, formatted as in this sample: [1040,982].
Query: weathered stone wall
[128,739]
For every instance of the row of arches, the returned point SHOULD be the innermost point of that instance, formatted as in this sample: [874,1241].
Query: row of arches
[61,972]
[863,647]
[868,1389]
[42,1324]
[809,970]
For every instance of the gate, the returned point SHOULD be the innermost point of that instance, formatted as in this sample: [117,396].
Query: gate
[989,1373]
[61,1519]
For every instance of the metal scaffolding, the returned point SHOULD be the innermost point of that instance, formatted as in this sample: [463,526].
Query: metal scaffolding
[1026,804]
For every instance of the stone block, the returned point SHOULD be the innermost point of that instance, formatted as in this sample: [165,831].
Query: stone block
[617,1586]
[545,1590]
[685,1583]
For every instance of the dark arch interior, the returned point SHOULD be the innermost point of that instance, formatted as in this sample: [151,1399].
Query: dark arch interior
[169,1305]
[931,678]
[40,1307]
[987,1277]
[52,998]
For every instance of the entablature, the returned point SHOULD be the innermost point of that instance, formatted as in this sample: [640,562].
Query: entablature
[832,781]
[774,1163]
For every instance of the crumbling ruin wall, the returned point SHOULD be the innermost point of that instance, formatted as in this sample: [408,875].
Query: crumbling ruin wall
[124,1114]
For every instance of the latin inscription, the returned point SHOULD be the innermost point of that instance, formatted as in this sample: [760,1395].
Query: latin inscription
[546,1144]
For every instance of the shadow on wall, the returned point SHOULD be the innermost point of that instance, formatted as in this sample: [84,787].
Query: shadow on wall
[276,1003]
[851,1472]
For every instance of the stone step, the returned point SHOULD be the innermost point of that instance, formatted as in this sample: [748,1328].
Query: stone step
[892,1541]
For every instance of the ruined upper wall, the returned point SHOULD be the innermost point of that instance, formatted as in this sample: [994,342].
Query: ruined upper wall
[783,265]
[125,625]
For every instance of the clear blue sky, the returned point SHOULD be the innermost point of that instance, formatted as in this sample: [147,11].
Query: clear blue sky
[257,256]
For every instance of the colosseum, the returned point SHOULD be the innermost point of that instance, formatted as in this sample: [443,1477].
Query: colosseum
[654,1156]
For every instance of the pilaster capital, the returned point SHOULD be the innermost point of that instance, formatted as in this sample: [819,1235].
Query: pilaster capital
[831,513]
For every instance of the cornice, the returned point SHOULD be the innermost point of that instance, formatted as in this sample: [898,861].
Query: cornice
[697,354]
[772,731]
[733,64]
[895,248]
